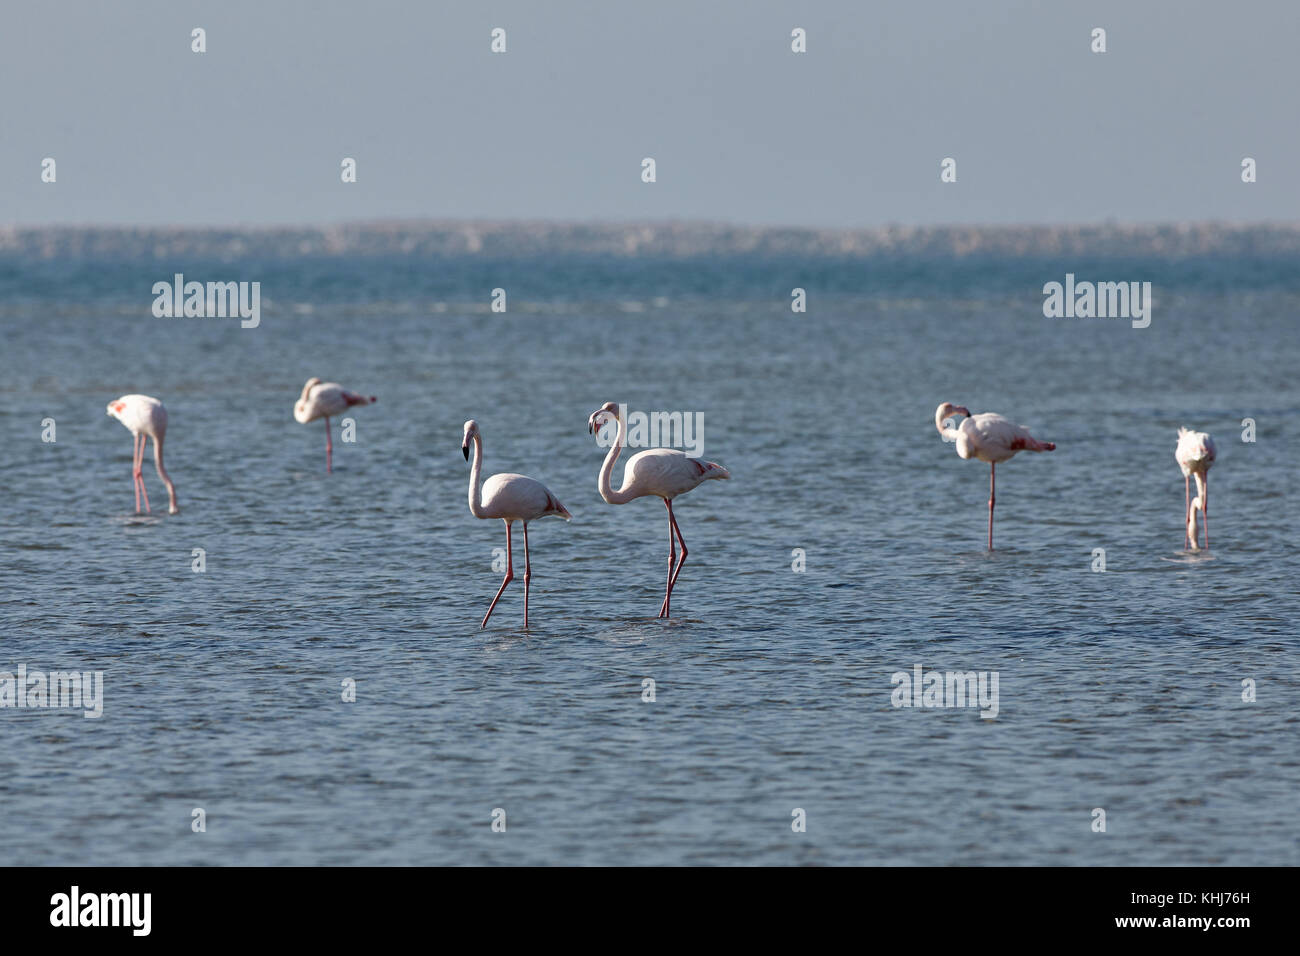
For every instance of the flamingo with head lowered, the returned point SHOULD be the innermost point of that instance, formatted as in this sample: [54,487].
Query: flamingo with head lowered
[988,437]
[511,498]
[146,418]
[321,400]
[662,472]
[1195,454]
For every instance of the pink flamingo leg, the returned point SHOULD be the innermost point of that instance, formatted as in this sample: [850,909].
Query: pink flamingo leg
[992,498]
[135,470]
[139,474]
[1187,511]
[672,583]
[510,576]
[528,574]
[672,558]
[329,448]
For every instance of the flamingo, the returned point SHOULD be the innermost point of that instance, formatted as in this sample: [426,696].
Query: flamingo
[1195,454]
[511,498]
[988,437]
[321,400]
[662,472]
[145,417]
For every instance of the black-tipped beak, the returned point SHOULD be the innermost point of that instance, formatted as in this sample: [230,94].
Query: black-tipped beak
[589,429]
[465,449]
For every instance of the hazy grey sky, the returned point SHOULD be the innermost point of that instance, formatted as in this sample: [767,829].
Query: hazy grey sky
[850,133]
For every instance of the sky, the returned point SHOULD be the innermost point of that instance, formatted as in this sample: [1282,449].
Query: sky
[742,130]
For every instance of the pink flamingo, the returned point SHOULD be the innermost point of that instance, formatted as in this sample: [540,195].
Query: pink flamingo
[146,418]
[511,498]
[1195,454]
[662,472]
[321,400]
[988,437]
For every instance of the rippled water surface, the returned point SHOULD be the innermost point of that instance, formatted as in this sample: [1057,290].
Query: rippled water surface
[1119,690]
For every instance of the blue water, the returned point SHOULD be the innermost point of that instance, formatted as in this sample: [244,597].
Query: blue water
[1119,690]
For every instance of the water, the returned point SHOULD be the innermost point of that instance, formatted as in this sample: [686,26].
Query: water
[1119,690]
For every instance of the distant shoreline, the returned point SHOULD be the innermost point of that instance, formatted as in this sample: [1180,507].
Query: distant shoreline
[649,239]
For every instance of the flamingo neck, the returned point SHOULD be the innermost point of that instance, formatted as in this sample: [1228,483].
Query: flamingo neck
[607,469]
[1191,524]
[949,433]
[475,492]
[162,473]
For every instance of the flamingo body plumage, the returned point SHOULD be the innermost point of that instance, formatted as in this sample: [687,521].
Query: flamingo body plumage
[1195,453]
[987,437]
[510,498]
[663,473]
[145,417]
[659,472]
[323,400]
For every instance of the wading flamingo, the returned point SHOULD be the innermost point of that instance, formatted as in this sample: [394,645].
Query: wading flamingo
[511,498]
[662,472]
[1195,454]
[988,437]
[321,400]
[145,417]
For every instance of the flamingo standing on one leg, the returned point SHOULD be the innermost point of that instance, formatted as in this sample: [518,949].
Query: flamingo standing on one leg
[662,472]
[146,418]
[1195,454]
[988,437]
[511,498]
[321,400]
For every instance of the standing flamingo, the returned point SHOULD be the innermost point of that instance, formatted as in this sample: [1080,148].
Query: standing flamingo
[662,472]
[1195,454]
[988,437]
[321,400]
[511,498]
[146,418]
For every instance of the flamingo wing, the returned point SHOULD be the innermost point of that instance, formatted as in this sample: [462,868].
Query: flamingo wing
[667,472]
[993,438]
[140,413]
[519,498]
[1195,451]
[326,400]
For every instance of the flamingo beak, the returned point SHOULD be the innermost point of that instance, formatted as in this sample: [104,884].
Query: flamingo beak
[465,449]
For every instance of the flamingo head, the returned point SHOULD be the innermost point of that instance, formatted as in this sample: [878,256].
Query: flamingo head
[601,417]
[471,432]
[115,408]
[944,413]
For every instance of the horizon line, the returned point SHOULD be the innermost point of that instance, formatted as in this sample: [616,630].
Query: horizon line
[616,223]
